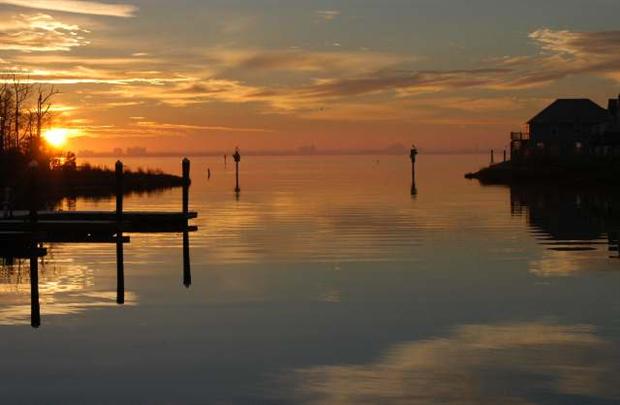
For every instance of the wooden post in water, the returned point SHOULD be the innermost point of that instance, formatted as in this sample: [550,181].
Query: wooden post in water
[187,275]
[504,155]
[6,205]
[119,191]
[120,257]
[35,307]
[492,156]
[412,155]
[237,158]
[186,184]
[33,174]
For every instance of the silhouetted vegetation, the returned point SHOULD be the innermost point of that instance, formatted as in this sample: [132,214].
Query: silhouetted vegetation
[28,164]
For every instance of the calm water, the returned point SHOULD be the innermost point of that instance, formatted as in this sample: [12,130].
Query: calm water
[327,282]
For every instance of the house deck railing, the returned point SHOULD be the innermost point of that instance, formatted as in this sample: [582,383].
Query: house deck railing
[519,136]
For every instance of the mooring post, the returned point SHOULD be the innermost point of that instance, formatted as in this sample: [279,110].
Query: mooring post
[33,169]
[186,183]
[187,275]
[237,157]
[119,191]
[492,156]
[6,205]
[504,155]
[35,307]
[120,257]
[412,155]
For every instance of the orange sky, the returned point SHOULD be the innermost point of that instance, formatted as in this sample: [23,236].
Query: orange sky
[207,75]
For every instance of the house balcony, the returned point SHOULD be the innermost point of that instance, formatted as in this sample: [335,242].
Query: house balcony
[519,136]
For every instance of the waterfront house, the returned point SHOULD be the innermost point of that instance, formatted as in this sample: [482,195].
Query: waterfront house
[570,127]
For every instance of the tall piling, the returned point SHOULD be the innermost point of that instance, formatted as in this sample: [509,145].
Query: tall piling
[33,191]
[120,254]
[237,157]
[119,191]
[186,183]
[413,155]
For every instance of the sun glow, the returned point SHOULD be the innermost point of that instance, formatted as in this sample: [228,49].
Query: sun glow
[56,137]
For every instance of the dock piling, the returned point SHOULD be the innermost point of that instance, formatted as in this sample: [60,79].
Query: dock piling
[119,191]
[120,259]
[33,169]
[6,205]
[492,156]
[186,184]
[413,155]
[237,157]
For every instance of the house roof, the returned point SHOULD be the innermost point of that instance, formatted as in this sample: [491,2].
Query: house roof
[571,110]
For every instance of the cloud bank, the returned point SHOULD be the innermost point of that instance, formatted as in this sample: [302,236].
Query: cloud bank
[39,33]
[77,6]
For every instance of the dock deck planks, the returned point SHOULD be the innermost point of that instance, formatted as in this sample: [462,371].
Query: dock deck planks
[98,222]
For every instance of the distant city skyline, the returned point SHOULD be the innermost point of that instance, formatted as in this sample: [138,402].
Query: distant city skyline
[273,75]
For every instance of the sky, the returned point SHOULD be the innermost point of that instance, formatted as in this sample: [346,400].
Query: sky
[264,75]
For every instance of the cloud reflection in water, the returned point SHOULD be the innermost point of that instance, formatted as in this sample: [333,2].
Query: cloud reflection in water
[495,364]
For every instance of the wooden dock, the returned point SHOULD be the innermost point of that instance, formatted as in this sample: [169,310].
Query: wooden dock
[97,222]
[23,234]
[96,226]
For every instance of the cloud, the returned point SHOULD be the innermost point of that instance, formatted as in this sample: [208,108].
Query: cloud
[578,44]
[187,92]
[298,60]
[39,33]
[138,127]
[77,6]
[567,53]
[186,127]
[476,364]
[92,74]
[334,85]
[328,15]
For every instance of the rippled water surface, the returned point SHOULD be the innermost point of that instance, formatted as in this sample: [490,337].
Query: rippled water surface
[326,281]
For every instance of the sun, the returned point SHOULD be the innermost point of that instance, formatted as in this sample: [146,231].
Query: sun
[56,137]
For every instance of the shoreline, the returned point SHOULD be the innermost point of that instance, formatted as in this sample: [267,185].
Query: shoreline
[570,172]
[48,187]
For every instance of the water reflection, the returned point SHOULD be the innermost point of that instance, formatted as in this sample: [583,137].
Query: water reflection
[187,271]
[517,363]
[58,288]
[120,269]
[346,280]
[35,307]
[63,288]
[572,224]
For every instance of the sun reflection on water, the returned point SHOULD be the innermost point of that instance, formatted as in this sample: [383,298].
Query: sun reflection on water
[64,288]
